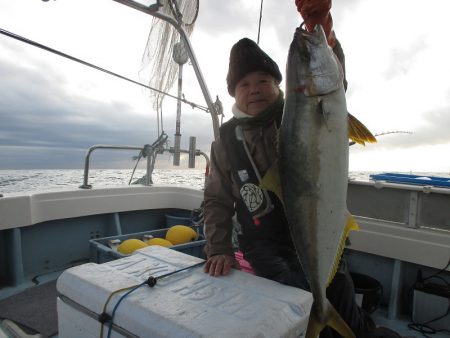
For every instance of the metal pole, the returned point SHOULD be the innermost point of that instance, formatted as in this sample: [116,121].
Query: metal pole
[176,154]
[192,144]
[198,73]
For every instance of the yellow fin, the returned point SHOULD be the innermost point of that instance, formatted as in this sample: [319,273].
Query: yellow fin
[350,225]
[332,319]
[358,132]
[271,181]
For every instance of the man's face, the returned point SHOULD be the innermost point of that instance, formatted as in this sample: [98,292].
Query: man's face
[255,92]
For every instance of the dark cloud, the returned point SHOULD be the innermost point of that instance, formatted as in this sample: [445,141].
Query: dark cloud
[36,109]
[42,126]
[432,131]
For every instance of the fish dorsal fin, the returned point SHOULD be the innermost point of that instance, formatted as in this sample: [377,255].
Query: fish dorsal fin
[271,181]
[358,132]
[350,225]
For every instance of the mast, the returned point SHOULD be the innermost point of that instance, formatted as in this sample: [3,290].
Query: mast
[152,9]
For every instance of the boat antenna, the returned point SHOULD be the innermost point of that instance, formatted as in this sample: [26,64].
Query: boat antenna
[260,18]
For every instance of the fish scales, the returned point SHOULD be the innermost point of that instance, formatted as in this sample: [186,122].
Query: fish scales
[313,166]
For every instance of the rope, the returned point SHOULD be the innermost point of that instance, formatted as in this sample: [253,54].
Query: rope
[317,12]
[67,56]
[150,281]
[260,19]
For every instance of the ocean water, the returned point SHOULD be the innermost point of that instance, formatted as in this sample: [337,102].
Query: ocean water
[25,181]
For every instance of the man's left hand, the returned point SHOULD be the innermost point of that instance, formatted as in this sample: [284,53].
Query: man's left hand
[220,265]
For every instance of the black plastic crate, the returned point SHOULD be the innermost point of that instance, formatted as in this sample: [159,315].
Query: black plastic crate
[101,251]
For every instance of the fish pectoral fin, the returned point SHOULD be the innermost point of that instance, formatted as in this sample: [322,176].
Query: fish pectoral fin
[332,319]
[351,224]
[271,181]
[358,132]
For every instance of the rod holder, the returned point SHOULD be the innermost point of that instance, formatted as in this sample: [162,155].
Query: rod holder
[192,151]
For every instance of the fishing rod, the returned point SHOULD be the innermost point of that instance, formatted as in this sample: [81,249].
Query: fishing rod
[385,133]
[85,63]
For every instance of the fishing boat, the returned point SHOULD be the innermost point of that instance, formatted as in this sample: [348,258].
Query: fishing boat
[60,270]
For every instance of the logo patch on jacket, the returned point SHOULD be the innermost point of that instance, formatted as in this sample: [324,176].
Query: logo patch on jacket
[252,195]
[243,175]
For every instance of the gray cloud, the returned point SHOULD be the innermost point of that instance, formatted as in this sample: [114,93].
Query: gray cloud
[42,126]
[217,17]
[403,58]
[433,131]
[35,112]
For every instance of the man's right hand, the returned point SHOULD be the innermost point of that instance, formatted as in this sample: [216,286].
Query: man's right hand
[220,265]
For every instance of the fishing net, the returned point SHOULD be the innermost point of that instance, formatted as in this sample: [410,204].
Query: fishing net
[158,68]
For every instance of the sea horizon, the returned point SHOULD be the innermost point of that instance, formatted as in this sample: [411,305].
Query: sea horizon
[16,181]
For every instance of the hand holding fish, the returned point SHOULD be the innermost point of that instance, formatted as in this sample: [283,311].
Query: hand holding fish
[317,12]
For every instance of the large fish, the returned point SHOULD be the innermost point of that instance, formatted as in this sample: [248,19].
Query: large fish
[313,168]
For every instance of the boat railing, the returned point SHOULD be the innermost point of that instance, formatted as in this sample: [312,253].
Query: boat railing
[148,151]
[85,184]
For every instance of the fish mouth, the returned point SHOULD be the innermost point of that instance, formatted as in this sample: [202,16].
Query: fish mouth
[312,37]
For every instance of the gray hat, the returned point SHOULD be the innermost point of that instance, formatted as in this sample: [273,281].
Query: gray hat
[247,57]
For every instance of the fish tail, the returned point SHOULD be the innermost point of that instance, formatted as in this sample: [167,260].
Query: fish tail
[351,225]
[332,319]
[358,132]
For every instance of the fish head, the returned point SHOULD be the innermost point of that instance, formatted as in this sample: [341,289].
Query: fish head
[312,68]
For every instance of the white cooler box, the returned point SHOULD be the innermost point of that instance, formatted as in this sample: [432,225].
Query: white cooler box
[186,304]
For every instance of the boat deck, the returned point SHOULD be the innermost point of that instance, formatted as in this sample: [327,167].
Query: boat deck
[400,325]
[45,317]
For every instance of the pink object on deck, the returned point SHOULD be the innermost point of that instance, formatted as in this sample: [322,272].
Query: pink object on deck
[245,266]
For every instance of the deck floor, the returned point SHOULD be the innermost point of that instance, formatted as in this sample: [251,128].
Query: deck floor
[45,296]
[400,325]
[33,308]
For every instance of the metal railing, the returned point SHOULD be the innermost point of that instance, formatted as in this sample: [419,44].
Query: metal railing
[88,155]
[148,151]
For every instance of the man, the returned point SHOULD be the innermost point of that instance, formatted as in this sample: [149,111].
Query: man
[245,151]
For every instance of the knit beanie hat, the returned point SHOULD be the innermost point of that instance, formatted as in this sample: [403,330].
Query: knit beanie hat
[247,57]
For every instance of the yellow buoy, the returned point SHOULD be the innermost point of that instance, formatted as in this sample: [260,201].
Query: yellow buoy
[159,241]
[130,245]
[179,234]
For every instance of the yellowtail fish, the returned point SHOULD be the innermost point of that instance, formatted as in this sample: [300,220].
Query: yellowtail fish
[311,176]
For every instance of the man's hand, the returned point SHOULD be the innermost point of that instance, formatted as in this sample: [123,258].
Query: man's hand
[317,12]
[220,265]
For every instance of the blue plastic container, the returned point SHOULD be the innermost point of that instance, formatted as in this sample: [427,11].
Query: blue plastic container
[101,252]
[178,218]
[413,179]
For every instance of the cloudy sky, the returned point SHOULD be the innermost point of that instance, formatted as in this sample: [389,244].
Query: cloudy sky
[52,109]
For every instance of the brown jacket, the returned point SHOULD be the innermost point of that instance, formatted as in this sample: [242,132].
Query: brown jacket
[221,190]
